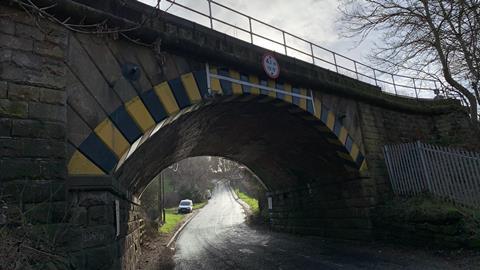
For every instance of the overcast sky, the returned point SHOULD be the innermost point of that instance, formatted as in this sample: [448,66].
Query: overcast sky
[314,20]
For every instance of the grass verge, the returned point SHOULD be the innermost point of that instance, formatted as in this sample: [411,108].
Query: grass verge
[173,218]
[252,202]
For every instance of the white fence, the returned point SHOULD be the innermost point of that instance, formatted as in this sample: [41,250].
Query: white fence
[447,173]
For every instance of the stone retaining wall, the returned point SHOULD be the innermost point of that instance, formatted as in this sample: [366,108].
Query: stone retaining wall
[337,210]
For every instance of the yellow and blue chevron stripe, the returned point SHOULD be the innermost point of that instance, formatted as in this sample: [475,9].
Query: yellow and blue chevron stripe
[109,142]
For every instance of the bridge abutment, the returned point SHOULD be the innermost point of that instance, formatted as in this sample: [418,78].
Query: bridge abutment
[339,209]
[105,227]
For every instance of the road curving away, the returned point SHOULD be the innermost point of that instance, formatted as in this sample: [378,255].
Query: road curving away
[218,238]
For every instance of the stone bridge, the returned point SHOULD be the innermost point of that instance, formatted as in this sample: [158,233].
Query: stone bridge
[87,121]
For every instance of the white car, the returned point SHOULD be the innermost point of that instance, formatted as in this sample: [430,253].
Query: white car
[185,206]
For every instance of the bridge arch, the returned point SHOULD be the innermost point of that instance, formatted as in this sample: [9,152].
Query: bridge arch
[114,140]
[299,149]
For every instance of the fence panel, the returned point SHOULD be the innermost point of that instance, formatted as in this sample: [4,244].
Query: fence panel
[447,173]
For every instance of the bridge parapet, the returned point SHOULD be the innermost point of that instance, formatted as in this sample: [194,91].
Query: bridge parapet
[178,35]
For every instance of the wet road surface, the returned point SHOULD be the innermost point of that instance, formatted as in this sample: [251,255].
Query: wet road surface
[218,238]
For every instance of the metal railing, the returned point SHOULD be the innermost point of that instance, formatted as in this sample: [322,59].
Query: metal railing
[447,173]
[390,83]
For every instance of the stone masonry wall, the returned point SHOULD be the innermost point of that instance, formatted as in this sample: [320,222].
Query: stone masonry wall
[32,116]
[336,210]
[380,126]
[91,239]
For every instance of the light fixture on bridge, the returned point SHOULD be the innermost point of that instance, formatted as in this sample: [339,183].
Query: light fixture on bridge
[131,71]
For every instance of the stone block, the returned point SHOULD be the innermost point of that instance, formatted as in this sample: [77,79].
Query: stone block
[38,148]
[18,43]
[20,168]
[78,216]
[92,198]
[77,129]
[54,169]
[10,108]
[5,127]
[82,104]
[28,31]
[53,96]
[43,111]
[97,236]
[49,76]
[3,89]
[100,215]
[21,92]
[49,49]
[77,260]
[11,147]
[7,26]
[35,191]
[83,68]
[37,129]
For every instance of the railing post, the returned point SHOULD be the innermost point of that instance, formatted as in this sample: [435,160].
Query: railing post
[311,50]
[394,85]
[356,71]
[251,31]
[284,42]
[335,61]
[210,13]
[415,88]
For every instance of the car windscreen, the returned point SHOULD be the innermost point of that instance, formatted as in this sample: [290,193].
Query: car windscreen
[185,203]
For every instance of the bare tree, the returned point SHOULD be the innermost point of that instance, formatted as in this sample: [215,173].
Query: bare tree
[435,38]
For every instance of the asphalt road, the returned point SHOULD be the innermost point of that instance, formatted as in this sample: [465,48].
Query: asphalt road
[218,238]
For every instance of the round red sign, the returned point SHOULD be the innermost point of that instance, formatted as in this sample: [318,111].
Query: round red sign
[270,65]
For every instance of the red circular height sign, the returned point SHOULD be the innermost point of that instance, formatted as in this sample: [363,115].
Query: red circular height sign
[271,66]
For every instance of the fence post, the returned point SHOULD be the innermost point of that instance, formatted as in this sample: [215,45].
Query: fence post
[424,166]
